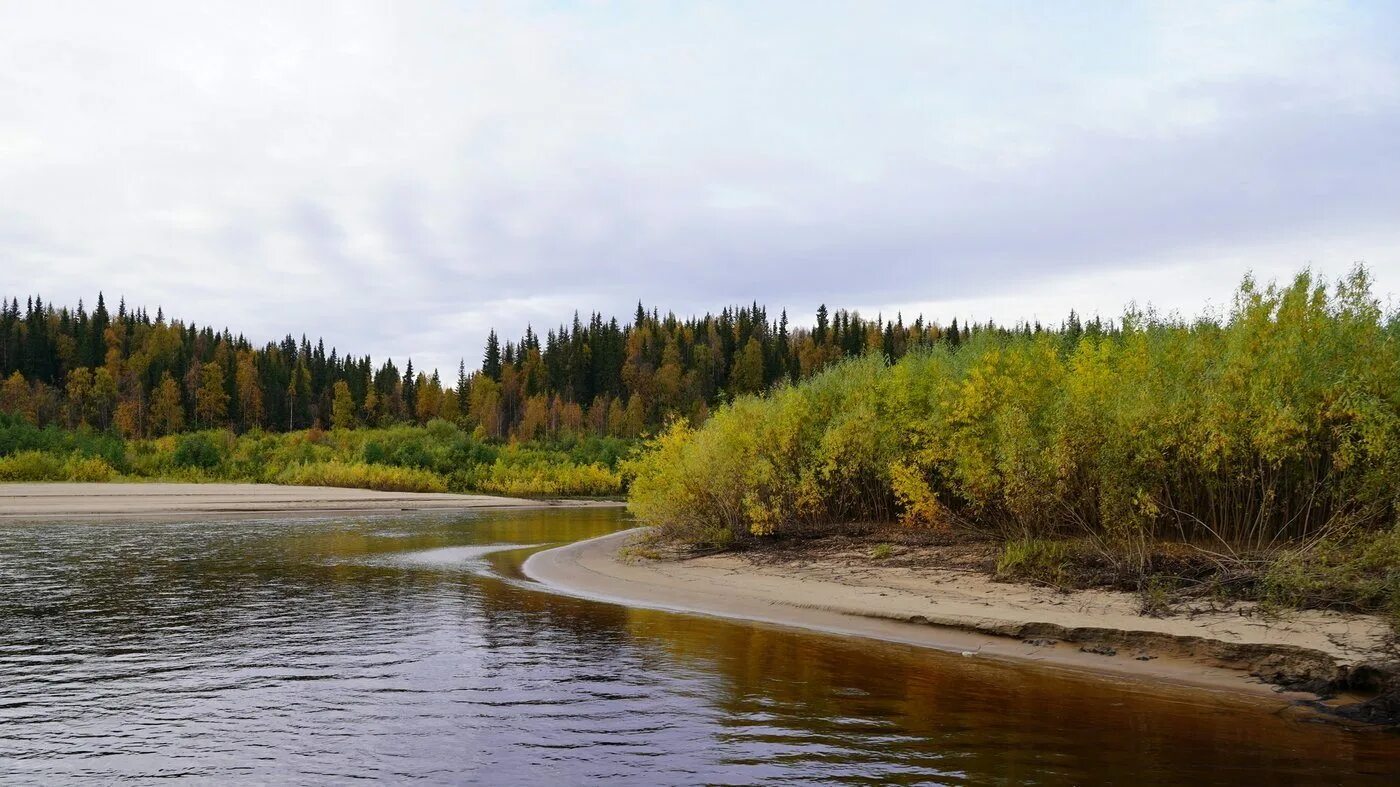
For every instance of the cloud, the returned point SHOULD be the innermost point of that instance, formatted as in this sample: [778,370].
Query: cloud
[400,177]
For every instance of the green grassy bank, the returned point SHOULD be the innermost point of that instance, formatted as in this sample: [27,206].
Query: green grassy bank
[438,457]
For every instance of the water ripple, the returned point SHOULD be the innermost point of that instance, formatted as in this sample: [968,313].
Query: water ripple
[384,648]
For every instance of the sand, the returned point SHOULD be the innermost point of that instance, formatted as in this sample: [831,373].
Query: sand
[1234,649]
[164,501]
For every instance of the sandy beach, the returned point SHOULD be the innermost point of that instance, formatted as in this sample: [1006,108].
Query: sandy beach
[1233,649]
[162,501]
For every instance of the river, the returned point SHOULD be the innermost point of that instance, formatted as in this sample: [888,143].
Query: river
[410,648]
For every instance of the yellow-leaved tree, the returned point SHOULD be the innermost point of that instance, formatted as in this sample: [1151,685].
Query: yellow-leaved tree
[167,412]
[342,407]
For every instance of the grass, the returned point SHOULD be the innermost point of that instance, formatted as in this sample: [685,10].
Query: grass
[1036,560]
[1357,574]
[635,551]
[1156,597]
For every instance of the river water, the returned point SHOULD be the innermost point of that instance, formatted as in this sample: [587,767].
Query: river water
[410,649]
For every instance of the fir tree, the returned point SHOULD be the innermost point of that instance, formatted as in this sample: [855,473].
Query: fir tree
[463,384]
[491,361]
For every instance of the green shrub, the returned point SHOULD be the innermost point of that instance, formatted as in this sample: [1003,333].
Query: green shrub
[594,450]
[197,450]
[465,452]
[413,455]
[441,430]
[17,434]
[375,453]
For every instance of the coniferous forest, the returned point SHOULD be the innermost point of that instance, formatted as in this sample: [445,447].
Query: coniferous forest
[93,394]
[147,376]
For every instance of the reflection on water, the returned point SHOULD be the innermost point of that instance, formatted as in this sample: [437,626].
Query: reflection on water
[407,648]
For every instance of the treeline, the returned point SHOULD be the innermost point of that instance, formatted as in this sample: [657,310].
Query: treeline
[145,376]
[1278,424]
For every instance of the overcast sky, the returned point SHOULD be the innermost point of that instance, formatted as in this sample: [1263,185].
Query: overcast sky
[400,176]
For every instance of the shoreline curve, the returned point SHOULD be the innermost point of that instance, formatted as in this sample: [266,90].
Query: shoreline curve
[1276,673]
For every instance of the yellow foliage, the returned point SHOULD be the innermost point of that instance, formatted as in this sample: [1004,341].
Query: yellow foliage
[358,475]
[1273,423]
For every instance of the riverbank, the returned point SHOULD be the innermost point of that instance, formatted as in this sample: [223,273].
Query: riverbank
[70,501]
[1343,663]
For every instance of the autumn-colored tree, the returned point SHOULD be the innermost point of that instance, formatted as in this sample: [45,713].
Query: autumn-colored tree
[114,342]
[104,397]
[512,397]
[748,376]
[78,392]
[16,398]
[617,419]
[449,409]
[596,416]
[48,403]
[427,397]
[127,420]
[668,385]
[343,408]
[534,424]
[194,375]
[167,415]
[370,408]
[658,363]
[485,412]
[211,400]
[250,395]
[565,417]
[633,421]
[298,392]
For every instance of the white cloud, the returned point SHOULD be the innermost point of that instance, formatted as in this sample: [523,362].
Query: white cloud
[1201,285]
[401,176]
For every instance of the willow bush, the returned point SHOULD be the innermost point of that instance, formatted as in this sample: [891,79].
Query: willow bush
[357,475]
[41,466]
[803,455]
[524,478]
[1274,423]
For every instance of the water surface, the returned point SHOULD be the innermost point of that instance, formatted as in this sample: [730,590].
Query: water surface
[409,648]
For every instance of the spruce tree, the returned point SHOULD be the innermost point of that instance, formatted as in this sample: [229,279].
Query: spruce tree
[463,388]
[410,391]
[491,362]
